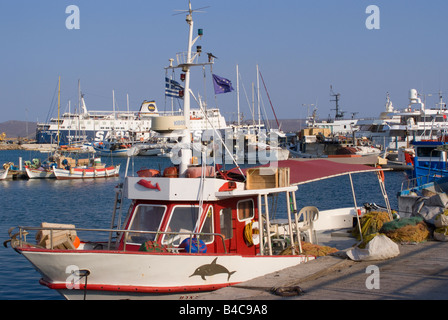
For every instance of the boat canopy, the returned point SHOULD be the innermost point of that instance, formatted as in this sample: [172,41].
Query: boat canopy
[302,172]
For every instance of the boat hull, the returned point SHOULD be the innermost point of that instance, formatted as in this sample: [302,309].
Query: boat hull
[40,174]
[141,275]
[87,173]
[4,174]
[115,153]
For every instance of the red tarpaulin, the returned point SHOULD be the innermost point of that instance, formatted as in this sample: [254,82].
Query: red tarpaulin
[302,172]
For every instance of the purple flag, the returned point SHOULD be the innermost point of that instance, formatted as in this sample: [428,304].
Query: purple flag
[222,85]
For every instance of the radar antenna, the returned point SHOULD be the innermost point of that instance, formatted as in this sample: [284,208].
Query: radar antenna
[190,11]
[339,114]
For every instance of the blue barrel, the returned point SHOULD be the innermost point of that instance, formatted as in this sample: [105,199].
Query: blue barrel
[191,245]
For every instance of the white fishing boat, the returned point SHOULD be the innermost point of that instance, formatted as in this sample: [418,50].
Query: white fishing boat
[87,172]
[189,229]
[4,173]
[37,169]
[115,149]
[68,168]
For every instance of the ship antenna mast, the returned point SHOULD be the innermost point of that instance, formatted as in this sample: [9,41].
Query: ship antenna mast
[339,114]
[185,65]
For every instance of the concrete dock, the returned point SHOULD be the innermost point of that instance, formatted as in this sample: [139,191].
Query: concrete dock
[419,272]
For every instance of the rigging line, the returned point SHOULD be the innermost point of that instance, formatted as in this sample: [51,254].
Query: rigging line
[269,99]
[245,93]
[219,136]
[264,116]
[50,111]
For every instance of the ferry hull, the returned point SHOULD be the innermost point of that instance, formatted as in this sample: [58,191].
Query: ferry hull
[124,275]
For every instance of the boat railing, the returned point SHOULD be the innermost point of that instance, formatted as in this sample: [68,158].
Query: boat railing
[416,183]
[182,58]
[20,237]
[170,113]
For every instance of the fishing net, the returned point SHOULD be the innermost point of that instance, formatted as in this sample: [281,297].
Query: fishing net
[406,230]
[151,246]
[310,249]
[441,234]
[400,223]
[371,223]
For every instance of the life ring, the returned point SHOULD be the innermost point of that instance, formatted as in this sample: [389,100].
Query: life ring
[252,233]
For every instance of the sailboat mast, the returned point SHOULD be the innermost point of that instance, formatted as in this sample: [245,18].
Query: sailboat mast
[59,107]
[238,93]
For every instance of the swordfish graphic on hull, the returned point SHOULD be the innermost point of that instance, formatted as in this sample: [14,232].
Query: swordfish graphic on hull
[211,269]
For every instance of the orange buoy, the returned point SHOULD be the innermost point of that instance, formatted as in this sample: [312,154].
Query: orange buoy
[76,242]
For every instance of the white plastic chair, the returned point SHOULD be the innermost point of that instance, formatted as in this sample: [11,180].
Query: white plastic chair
[307,215]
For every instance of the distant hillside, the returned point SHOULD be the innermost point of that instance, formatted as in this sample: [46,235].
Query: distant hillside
[18,129]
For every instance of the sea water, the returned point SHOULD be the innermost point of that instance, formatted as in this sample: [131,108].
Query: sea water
[89,204]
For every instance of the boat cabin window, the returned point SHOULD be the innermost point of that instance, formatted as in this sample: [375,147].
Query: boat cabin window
[182,222]
[146,218]
[207,227]
[225,221]
[428,152]
[245,209]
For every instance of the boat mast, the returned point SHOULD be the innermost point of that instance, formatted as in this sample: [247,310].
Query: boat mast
[186,153]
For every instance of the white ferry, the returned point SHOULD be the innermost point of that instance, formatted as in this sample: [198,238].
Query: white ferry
[96,126]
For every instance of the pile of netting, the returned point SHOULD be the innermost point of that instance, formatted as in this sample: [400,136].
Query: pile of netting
[407,230]
[311,250]
[404,230]
[371,223]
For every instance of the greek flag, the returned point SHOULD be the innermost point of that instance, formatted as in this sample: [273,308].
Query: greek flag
[173,89]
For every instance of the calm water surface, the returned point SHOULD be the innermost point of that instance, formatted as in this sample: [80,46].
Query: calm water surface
[89,204]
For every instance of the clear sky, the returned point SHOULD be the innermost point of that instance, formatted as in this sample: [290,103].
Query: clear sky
[301,47]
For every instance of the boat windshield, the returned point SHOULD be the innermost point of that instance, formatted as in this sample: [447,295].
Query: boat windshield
[428,152]
[146,218]
[184,219]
